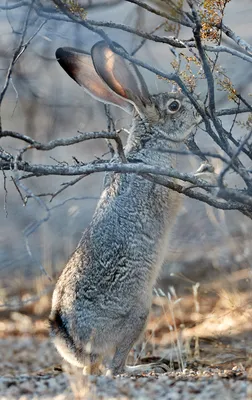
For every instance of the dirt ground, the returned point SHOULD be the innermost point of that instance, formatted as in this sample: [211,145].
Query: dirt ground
[29,372]
[204,338]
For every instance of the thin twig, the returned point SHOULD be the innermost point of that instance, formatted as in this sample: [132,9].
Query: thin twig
[5,195]
[184,20]
[236,154]
[141,44]
[16,53]
[237,39]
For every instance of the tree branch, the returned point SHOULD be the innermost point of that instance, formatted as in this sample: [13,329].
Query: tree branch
[239,41]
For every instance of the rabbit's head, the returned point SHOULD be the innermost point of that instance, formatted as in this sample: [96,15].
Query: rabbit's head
[172,117]
[111,78]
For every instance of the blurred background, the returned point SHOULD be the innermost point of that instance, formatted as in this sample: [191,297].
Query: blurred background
[202,308]
[44,103]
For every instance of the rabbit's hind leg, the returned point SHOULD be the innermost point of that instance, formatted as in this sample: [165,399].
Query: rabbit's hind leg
[130,331]
[133,328]
[93,366]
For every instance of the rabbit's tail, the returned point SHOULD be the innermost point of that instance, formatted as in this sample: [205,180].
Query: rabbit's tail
[59,330]
[57,326]
[68,349]
[62,339]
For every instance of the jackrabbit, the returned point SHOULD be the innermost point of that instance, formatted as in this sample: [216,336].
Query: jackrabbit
[102,298]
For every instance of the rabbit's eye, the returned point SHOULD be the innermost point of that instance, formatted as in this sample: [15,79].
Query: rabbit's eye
[174,106]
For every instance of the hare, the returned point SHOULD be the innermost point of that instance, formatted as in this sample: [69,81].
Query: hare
[102,298]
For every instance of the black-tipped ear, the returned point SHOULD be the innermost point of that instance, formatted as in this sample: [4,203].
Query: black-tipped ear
[119,74]
[79,66]
[65,57]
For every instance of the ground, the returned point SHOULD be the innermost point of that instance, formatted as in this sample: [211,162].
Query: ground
[204,338]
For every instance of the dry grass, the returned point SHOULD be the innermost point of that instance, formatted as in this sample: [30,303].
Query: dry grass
[177,324]
[205,332]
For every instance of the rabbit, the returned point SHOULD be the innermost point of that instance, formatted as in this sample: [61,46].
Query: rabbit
[102,298]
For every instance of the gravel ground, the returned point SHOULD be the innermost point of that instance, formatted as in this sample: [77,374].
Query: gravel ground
[30,369]
[187,385]
[208,353]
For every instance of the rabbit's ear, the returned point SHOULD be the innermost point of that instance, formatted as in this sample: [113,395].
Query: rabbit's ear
[79,66]
[120,75]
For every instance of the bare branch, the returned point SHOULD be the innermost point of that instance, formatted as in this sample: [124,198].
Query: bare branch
[67,141]
[236,154]
[231,111]
[135,168]
[239,41]
[17,53]
[184,18]
[206,198]
[225,49]
[193,147]
[215,196]
[67,185]
[144,40]
[211,99]
[19,4]
[17,135]
[5,195]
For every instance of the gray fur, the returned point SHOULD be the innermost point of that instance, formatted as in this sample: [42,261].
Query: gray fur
[102,298]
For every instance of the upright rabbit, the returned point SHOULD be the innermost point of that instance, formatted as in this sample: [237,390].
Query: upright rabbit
[102,298]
